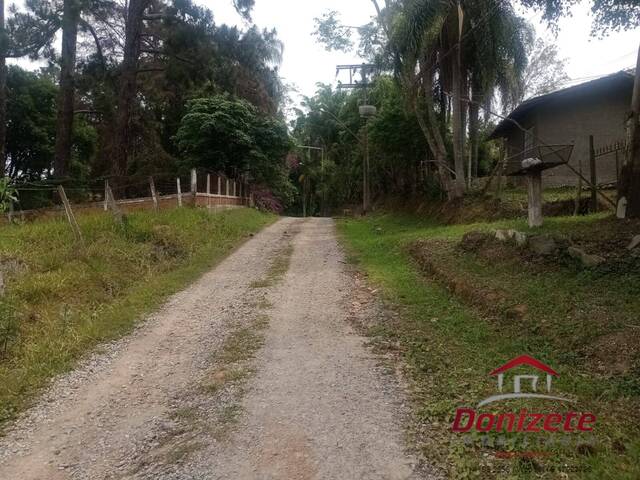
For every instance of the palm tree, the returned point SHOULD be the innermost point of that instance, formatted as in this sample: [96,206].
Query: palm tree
[495,59]
[414,29]
[445,49]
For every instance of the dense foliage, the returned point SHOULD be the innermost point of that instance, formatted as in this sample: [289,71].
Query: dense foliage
[230,135]
[125,92]
[459,67]
[112,101]
[31,123]
[449,62]
[398,150]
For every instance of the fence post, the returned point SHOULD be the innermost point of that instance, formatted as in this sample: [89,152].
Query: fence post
[594,177]
[179,192]
[70,216]
[234,188]
[226,190]
[117,214]
[106,203]
[208,190]
[578,199]
[154,194]
[534,191]
[219,191]
[194,185]
[501,168]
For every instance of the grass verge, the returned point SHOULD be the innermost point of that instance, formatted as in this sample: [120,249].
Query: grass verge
[449,347]
[61,302]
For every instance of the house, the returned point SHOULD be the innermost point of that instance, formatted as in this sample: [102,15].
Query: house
[569,116]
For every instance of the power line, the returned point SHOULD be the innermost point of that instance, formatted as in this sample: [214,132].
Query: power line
[632,52]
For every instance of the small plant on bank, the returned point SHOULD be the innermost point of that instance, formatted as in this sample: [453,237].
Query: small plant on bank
[8,194]
[9,328]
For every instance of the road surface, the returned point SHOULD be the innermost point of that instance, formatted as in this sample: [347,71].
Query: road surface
[250,373]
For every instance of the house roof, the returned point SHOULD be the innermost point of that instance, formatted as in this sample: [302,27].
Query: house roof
[618,80]
[524,360]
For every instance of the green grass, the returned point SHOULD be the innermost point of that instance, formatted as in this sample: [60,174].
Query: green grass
[449,347]
[556,194]
[277,269]
[62,301]
[242,344]
[517,196]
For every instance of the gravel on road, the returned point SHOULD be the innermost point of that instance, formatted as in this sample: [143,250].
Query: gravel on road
[244,375]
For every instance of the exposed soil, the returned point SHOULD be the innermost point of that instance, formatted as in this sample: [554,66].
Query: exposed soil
[607,238]
[613,346]
[240,376]
[489,300]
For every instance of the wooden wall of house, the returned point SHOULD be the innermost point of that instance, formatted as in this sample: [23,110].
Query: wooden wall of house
[601,115]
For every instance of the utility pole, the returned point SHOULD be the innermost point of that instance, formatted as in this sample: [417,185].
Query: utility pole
[366,112]
[366,190]
[3,89]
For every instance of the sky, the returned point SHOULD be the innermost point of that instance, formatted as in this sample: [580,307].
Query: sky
[306,62]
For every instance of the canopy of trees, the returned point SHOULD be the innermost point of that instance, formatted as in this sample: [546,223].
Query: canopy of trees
[449,62]
[460,65]
[117,99]
[147,86]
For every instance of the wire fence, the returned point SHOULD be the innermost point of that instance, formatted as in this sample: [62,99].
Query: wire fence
[198,187]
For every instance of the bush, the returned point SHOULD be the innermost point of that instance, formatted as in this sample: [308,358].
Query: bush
[266,201]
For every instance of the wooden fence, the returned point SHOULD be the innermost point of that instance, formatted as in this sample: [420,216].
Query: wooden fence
[206,190]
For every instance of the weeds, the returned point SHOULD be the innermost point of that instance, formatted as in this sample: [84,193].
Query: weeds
[449,346]
[232,366]
[277,269]
[9,329]
[62,305]
[181,451]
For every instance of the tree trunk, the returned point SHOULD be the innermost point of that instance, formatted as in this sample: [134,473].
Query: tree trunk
[66,95]
[431,130]
[629,188]
[474,124]
[128,85]
[3,91]
[457,123]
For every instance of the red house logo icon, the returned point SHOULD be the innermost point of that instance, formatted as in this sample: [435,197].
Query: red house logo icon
[467,419]
[518,381]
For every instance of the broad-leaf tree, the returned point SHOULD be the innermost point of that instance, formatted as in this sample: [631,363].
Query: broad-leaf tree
[230,135]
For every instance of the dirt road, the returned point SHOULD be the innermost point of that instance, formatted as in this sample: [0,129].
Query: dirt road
[253,372]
